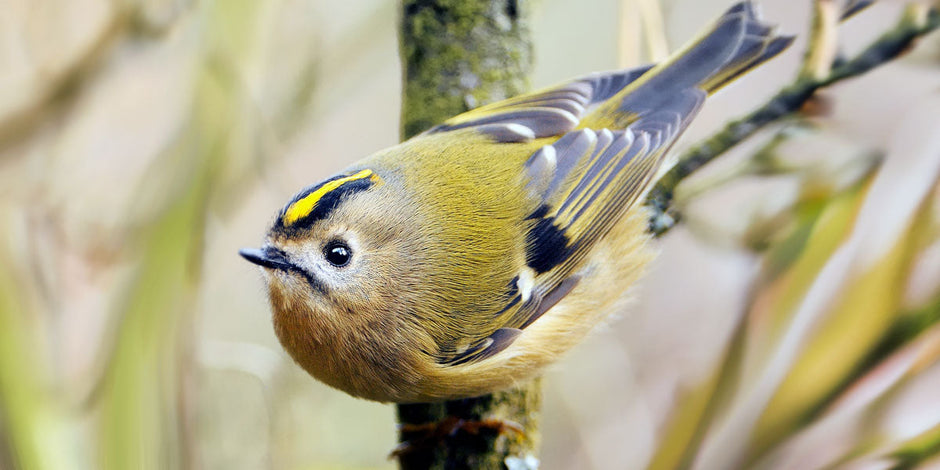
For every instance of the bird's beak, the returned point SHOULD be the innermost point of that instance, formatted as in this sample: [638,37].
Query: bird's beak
[267,257]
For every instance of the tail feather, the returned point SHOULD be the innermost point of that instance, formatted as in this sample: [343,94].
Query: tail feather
[770,49]
[737,42]
[760,43]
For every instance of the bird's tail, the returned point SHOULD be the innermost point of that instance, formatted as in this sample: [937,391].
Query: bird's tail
[737,42]
[759,42]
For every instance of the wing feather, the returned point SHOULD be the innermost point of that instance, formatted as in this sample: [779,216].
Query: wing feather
[584,182]
[548,112]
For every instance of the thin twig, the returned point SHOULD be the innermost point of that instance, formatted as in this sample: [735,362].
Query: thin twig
[654,29]
[629,37]
[823,42]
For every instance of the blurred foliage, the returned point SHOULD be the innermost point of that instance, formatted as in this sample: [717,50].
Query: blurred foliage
[143,141]
[141,406]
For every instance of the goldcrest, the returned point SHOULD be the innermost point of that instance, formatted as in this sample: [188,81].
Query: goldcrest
[469,257]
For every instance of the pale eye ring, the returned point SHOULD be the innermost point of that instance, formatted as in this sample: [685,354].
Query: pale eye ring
[337,253]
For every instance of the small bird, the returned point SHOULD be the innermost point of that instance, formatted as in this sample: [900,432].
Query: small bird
[471,256]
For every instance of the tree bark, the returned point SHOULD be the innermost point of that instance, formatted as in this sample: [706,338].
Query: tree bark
[457,55]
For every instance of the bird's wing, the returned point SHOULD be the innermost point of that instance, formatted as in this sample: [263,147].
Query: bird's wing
[588,178]
[544,113]
[584,182]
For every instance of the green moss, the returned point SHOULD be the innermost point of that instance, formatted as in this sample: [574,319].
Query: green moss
[454,49]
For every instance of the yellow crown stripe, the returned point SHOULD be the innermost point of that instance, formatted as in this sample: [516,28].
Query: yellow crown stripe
[305,206]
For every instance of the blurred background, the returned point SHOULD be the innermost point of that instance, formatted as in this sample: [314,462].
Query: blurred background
[789,323]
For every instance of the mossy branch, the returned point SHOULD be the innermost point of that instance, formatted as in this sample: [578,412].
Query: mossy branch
[457,55]
[917,21]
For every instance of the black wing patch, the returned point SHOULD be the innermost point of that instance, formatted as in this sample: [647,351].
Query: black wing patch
[546,244]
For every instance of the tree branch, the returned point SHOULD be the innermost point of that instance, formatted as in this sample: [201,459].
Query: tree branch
[457,55]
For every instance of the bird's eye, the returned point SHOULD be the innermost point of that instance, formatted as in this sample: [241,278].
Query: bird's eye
[337,253]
